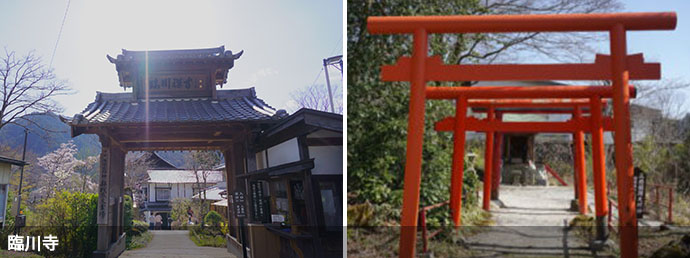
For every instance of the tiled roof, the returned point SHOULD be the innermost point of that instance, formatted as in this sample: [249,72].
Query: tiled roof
[230,105]
[183,176]
[212,194]
[223,203]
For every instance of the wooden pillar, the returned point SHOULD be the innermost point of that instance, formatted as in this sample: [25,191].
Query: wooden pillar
[599,169]
[230,187]
[497,164]
[234,166]
[415,139]
[309,200]
[579,142]
[458,165]
[623,146]
[110,210]
[488,162]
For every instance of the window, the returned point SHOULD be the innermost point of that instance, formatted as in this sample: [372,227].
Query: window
[330,204]
[3,202]
[162,194]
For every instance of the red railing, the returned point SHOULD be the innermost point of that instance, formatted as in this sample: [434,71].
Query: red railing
[422,223]
[554,174]
[658,203]
[612,203]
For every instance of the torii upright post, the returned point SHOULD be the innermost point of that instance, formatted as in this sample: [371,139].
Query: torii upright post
[579,142]
[458,166]
[488,162]
[498,152]
[599,169]
[415,137]
[623,147]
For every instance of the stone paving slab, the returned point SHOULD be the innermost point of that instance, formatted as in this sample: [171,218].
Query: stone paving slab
[530,223]
[175,244]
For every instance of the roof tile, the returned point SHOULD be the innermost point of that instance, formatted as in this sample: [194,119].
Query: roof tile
[232,105]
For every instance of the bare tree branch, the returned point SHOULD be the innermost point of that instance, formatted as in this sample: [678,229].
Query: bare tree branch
[316,97]
[27,87]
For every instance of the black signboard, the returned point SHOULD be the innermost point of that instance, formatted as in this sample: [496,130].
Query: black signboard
[240,213]
[238,205]
[258,209]
[640,186]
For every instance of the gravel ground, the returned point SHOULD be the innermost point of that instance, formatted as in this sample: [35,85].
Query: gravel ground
[529,223]
[175,244]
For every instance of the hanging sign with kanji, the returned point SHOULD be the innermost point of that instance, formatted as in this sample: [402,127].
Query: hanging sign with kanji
[238,205]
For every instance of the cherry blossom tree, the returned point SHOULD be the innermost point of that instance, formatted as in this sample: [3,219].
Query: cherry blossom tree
[60,165]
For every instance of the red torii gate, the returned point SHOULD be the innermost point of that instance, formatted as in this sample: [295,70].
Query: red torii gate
[539,106]
[618,68]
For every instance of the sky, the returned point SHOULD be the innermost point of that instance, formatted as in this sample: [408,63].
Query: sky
[670,48]
[284,42]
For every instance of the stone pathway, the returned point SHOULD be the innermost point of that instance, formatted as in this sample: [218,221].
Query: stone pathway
[530,223]
[175,244]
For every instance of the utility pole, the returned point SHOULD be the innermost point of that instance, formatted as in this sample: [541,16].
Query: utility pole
[337,62]
[19,191]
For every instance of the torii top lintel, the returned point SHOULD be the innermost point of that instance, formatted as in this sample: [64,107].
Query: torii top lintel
[521,23]
[599,70]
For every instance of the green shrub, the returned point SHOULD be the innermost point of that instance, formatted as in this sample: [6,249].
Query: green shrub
[204,237]
[72,218]
[138,227]
[213,218]
[140,240]
[128,214]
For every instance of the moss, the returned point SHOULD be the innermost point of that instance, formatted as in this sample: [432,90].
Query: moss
[139,241]
[676,248]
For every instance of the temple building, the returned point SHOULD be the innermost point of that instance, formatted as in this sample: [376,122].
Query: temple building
[288,167]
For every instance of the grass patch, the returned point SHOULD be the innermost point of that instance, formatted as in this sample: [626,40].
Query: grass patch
[584,227]
[5,253]
[202,237]
[371,234]
[139,241]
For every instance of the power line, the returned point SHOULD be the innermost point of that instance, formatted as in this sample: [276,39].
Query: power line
[336,46]
[317,77]
[59,34]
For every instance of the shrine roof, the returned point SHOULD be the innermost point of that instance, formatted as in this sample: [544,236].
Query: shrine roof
[123,108]
[204,53]
[183,176]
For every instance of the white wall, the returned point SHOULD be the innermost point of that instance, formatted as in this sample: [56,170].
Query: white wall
[260,159]
[5,171]
[152,192]
[285,152]
[328,160]
[177,190]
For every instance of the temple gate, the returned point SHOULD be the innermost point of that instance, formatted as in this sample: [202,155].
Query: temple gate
[173,105]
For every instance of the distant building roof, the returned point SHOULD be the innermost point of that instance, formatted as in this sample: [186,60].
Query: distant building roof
[160,163]
[212,194]
[183,176]
[123,108]
[303,121]
[223,203]
[12,161]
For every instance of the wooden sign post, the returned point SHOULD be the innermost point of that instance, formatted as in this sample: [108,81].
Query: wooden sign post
[240,213]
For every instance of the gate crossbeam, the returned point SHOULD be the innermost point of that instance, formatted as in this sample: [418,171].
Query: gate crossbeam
[599,70]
